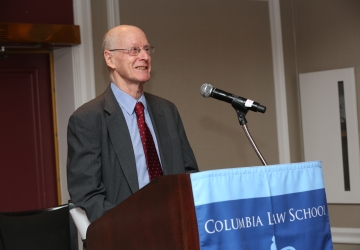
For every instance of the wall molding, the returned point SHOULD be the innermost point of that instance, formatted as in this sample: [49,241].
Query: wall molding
[113,13]
[279,82]
[64,95]
[74,82]
[345,235]
[83,59]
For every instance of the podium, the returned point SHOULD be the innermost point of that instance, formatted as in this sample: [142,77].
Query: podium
[274,207]
[161,215]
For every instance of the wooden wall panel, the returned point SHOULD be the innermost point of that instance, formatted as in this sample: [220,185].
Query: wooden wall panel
[37,11]
[27,155]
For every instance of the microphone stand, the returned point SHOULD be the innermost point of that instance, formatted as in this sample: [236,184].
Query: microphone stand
[241,111]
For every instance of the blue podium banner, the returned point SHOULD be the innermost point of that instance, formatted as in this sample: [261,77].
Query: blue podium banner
[278,207]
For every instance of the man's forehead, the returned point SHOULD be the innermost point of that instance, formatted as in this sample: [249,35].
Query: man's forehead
[131,39]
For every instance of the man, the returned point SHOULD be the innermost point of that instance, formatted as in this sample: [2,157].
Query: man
[106,159]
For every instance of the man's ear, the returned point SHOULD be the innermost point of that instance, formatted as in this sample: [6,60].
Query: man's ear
[109,59]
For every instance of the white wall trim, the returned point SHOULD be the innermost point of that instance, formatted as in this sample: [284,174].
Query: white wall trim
[279,82]
[74,82]
[345,235]
[113,13]
[83,59]
[64,94]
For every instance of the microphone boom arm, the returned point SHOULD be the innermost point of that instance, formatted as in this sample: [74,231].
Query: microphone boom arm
[241,112]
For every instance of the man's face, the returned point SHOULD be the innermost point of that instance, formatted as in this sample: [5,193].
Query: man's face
[131,69]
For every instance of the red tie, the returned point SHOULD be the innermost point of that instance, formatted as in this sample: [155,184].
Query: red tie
[152,159]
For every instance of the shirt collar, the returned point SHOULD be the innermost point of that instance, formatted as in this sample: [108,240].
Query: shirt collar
[126,101]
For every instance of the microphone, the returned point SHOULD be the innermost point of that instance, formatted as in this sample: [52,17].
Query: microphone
[207,90]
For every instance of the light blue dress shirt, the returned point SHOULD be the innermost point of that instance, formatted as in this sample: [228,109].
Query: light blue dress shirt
[127,104]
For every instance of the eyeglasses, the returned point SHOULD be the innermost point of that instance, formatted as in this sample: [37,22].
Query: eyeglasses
[134,51]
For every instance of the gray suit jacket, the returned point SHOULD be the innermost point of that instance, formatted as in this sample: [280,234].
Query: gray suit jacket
[101,167]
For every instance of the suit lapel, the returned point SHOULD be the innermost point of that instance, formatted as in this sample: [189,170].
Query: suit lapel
[120,139]
[161,132]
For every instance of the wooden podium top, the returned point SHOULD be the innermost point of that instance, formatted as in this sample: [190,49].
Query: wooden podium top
[161,215]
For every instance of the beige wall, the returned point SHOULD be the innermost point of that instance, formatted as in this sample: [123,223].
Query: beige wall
[227,43]
[320,35]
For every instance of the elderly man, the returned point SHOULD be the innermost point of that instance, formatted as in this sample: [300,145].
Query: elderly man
[124,138]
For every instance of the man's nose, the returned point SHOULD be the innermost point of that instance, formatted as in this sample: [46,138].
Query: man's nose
[143,54]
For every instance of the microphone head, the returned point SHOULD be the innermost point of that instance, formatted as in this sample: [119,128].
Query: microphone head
[205,90]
